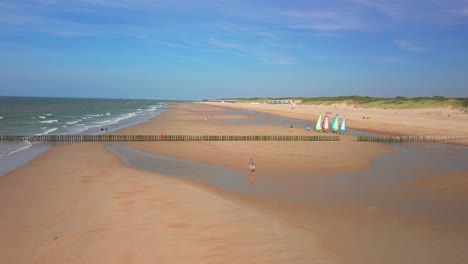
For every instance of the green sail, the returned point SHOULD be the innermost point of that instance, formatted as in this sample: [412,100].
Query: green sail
[318,126]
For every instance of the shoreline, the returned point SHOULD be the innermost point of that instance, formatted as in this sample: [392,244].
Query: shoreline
[23,157]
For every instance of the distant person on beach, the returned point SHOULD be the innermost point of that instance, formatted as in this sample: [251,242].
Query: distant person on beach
[291,129]
[251,165]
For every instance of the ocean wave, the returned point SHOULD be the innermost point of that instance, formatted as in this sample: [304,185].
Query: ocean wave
[42,117]
[104,122]
[49,131]
[108,114]
[1,117]
[49,121]
[73,122]
[48,114]
[154,107]
[28,145]
[64,126]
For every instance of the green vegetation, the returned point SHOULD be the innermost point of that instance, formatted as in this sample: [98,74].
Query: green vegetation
[399,102]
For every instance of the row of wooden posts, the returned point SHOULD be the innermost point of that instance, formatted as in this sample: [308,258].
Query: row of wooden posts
[109,137]
[410,139]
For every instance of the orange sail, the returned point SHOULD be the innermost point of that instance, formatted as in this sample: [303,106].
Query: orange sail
[325,124]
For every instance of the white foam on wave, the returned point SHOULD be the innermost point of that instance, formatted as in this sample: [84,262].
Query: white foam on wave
[64,126]
[108,114]
[103,122]
[42,117]
[49,131]
[49,121]
[48,114]
[73,122]
[1,117]
[28,145]
[154,107]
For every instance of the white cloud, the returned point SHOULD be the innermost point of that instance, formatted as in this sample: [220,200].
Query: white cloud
[323,20]
[260,54]
[393,9]
[389,59]
[410,46]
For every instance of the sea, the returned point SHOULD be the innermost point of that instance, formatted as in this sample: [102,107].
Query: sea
[60,116]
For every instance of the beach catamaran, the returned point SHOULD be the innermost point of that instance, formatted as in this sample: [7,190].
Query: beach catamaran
[318,126]
[325,124]
[343,125]
[335,124]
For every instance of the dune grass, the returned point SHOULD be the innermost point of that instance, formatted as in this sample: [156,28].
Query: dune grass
[398,102]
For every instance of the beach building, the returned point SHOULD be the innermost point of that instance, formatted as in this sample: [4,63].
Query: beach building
[279,102]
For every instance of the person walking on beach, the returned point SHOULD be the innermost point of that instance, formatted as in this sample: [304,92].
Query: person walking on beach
[291,129]
[251,165]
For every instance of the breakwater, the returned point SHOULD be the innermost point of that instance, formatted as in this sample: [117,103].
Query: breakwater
[117,138]
[409,139]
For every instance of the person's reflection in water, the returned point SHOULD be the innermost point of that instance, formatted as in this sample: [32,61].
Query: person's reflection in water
[251,178]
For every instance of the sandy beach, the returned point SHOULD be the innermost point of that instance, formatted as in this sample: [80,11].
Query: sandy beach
[80,203]
[420,122]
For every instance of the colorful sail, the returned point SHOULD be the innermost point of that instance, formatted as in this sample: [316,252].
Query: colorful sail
[343,125]
[318,126]
[334,124]
[325,124]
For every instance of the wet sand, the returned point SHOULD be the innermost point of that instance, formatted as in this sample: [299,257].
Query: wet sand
[287,158]
[385,230]
[80,203]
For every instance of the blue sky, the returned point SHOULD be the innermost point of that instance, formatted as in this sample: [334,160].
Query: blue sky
[212,49]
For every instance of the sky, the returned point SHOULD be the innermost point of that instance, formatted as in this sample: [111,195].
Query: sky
[208,49]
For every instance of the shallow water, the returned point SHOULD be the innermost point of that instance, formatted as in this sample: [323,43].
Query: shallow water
[377,188]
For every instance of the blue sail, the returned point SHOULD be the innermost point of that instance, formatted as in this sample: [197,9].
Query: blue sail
[343,125]
[334,124]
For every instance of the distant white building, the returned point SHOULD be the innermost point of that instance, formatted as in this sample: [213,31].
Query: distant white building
[279,102]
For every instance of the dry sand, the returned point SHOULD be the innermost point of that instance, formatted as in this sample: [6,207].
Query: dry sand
[80,204]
